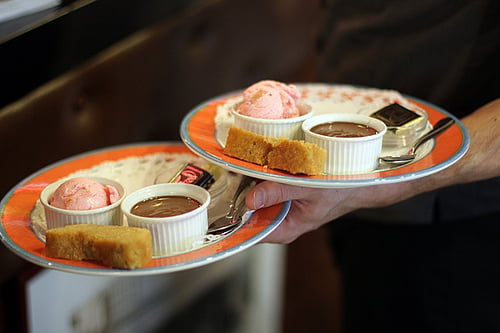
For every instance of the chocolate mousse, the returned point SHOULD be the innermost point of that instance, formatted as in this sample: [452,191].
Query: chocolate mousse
[165,206]
[343,129]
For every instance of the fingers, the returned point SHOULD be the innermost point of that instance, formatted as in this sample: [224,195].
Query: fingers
[310,208]
[269,193]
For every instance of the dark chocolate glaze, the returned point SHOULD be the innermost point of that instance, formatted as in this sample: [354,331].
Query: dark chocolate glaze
[395,115]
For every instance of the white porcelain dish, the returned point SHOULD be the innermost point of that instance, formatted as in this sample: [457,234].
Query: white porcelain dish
[347,155]
[172,234]
[58,217]
[289,128]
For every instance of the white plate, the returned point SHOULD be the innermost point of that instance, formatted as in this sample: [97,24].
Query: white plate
[20,229]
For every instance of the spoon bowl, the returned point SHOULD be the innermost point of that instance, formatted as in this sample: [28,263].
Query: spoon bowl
[236,210]
[397,159]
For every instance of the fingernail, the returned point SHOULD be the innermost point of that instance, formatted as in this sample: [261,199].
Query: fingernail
[259,197]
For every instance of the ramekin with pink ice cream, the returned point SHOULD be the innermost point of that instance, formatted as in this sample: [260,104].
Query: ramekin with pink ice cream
[82,200]
[272,109]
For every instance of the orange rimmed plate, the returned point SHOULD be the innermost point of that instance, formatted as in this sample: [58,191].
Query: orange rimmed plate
[16,226]
[198,131]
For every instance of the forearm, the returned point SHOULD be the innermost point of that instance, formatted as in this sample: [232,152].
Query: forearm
[482,159]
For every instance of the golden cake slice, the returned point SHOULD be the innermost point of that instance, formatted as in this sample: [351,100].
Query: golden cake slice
[115,246]
[294,156]
[248,146]
[297,157]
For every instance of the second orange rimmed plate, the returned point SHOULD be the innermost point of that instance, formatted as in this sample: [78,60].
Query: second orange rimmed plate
[198,131]
[16,223]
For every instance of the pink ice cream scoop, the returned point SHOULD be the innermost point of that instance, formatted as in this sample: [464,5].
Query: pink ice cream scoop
[271,100]
[83,194]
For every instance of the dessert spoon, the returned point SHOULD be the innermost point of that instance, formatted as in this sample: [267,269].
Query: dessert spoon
[234,215]
[440,127]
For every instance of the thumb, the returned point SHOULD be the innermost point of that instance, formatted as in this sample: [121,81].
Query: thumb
[269,193]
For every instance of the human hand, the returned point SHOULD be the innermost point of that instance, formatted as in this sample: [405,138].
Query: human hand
[313,207]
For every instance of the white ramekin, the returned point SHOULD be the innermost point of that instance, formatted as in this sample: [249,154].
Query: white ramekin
[58,217]
[347,155]
[173,234]
[289,128]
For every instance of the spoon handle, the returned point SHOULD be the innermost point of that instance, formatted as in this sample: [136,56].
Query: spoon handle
[244,183]
[440,126]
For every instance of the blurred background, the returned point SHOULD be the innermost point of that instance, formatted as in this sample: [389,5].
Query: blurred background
[82,75]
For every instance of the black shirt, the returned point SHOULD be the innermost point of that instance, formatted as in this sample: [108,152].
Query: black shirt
[445,52]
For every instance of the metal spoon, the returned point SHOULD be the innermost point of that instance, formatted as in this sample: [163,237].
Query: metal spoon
[235,212]
[233,224]
[440,127]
